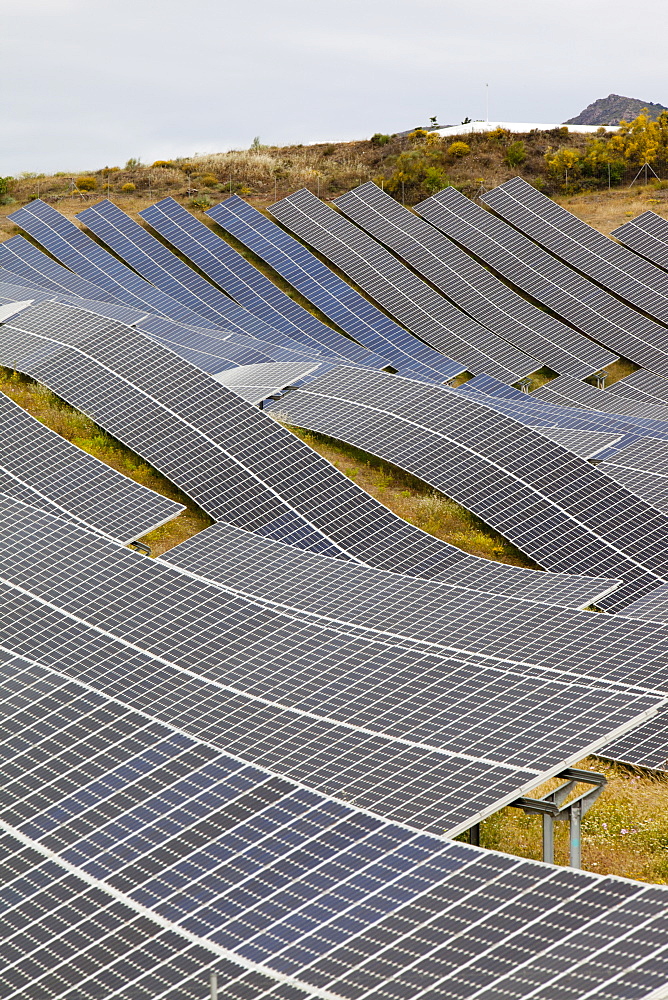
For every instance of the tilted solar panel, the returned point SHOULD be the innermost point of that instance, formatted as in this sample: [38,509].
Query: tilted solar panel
[182,857]
[334,715]
[52,471]
[326,290]
[579,301]
[553,506]
[236,462]
[398,290]
[26,261]
[85,257]
[586,444]
[645,455]
[646,235]
[646,382]
[652,488]
[583,394]
[579,244]
[434,615]
[258,382]
[166,271]
[470,286]
[252,289]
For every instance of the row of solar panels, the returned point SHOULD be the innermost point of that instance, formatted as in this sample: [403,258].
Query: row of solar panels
[324,942]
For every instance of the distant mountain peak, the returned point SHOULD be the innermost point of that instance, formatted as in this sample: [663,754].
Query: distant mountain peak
[614,108]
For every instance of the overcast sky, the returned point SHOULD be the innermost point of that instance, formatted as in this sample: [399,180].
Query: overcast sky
[86,83]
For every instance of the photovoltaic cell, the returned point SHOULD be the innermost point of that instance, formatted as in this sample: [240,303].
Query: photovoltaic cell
[434,615]
[248,286]
[89,260]
[326,290]
[124,877]
[585,444]
[579,244]
[652,488]
[471,286]
[553,506]
[646,235]
[49,472]
[258,382]
[583,394]
[398,290]
[643,383]
[151,258]
[25,260]
[562,289]
[237,463]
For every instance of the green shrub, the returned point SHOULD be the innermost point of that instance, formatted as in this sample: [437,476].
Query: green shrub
[129,187]
[167,164]
[208,180]
[459,149]
[516,154]
[133,163]
[201,201]
[86,183]
[378,139]
[6,199]
[5,184]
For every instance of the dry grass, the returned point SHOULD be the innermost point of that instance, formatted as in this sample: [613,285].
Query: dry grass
[625,832]
[606,210]
[84,433]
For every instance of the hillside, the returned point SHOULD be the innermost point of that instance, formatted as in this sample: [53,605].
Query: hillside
[613,109]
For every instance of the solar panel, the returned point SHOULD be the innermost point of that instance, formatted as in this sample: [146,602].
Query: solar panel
[221,352]
[645,455]
[326,290]
[645,383]
[151,258]
[470,286]
[53,474]
[553,506]
[579,244]
[236,462]
[258,382]
[580,302]
[252,289]
[162,856]
[25,260]
[398,290]
[585,444]
[113,310]
[589,396]
[646,235]
[89,260]
[463,737]
[450,619]
[652,488]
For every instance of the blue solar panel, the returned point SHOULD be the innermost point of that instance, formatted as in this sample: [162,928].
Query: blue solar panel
[165,270]
[27,261]
[232,272]
[333,296]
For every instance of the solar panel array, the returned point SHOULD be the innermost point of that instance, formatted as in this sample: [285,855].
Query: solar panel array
[645,382]
[244,756]
[39,466]
[646,235]
[350,714]
[248,286]
[471,286]
[420,308]
[239,466]
[26,261]
[150,258]
[583,394]
[553,506]
[579,244]
[582,303]
[283,886]
[334,297]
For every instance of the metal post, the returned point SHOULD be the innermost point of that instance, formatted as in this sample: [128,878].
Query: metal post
[575,842]
[548,838]
[275,188]
[609,184]
[213,983]
[403,202]
[230,185]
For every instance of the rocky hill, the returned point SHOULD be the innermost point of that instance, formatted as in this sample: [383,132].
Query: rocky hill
[614,108]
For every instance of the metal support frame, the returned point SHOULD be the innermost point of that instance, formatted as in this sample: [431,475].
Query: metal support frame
[525,384]
[553,807]
[601,379]
[213,985]
[140,547]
